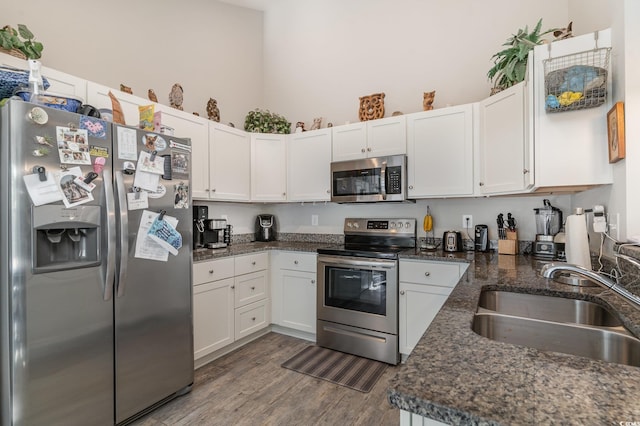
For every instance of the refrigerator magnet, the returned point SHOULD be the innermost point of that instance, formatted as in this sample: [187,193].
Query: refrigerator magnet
[72,146]
[160,191]
[181,196]
[138,200]
[95,127]
[72,194]
[154,142]
[179,165]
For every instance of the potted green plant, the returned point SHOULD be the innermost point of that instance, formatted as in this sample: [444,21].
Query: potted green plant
[510,64]
[20,42]
[258,121]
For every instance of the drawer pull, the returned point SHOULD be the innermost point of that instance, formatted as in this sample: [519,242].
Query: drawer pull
[211,271]
[253,288]
[295,262]
[232,287]
[313,281]
[402,292]
[253,318]
[253,263]
[426,274]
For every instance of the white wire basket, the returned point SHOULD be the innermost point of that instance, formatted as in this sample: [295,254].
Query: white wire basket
[576,81]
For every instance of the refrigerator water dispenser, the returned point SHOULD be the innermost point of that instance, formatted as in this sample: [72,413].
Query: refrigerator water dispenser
[65,238]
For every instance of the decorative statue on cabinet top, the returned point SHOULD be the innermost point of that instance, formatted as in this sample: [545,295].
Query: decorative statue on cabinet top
[213,112]
[126,89]
[427,100]
[371,107]
[317,123]
[152,95]
[563,33]
[176,97]
[300,127]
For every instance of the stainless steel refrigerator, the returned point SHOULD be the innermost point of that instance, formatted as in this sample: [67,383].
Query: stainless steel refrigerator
[95,318]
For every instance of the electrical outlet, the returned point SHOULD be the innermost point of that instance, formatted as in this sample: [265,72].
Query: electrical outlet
[314,219]
[467,221]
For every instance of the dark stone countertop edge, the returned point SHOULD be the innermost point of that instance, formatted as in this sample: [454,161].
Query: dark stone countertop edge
[458,377]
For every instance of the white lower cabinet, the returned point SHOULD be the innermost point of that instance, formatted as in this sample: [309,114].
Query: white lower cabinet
[213,306]
[294,290]
[230,301]
[410,419]
[424,287]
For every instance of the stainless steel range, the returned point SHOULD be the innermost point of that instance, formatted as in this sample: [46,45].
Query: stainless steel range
[358,288]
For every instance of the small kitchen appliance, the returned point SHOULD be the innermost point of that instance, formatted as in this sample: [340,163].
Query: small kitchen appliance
[200,214]
[214,233]
[265,227]
[452,241]
[482,238]
[548,224]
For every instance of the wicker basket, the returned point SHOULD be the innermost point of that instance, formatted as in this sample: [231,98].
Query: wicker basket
[14,52]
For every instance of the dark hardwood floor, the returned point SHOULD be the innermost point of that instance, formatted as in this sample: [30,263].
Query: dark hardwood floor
[248,387]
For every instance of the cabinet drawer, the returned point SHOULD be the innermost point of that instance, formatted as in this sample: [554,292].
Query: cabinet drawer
[212,270]
[251,318]
[250,288]
[251,263]
[298,261]
[434,273]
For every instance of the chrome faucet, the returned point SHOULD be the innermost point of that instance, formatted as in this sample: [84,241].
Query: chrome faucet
[550,269]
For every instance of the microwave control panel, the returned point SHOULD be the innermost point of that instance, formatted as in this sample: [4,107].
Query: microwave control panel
[394,180]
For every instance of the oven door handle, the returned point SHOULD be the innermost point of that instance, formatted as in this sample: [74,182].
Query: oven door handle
[340,262]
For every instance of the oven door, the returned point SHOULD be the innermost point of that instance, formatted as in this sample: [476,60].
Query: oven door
[359,292]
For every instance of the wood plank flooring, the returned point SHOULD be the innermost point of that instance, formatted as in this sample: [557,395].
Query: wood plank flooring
[248,387]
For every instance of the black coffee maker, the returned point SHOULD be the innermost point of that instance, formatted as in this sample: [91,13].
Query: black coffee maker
[200,215]
[265,227]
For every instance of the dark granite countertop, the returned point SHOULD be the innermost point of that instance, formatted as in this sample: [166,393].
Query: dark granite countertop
[458,377]
[246,248]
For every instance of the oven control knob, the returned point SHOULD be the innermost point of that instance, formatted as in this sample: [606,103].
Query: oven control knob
[355,225]
[392,225]
[407,225]
[400,225]
[349,225]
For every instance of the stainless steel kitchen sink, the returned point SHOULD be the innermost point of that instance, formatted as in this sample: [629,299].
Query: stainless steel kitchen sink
[550,308]
[583,329]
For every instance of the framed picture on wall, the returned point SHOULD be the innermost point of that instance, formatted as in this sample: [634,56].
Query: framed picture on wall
[615,132]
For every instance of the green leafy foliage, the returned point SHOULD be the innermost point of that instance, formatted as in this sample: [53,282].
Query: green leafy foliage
[510,64]
[21,39]
[258,121]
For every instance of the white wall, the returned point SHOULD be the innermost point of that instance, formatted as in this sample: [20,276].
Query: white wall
[321,56]
[213,49]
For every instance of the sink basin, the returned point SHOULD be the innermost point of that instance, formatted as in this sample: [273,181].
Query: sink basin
[556,324]
[590,342]
[550,308]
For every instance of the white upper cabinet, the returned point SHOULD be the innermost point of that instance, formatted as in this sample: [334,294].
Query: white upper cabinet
[229,163]
[374,138]
[504,143]
[571,146]
[268,167]
[308,164]
[440,152]
[98,96]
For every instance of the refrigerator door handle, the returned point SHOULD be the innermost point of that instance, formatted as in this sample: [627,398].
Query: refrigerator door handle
[124,233]
[110,273]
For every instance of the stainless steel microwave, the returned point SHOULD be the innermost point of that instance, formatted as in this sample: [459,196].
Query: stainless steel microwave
[369,180]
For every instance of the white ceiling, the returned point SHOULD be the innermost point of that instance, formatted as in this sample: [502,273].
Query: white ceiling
[251,4]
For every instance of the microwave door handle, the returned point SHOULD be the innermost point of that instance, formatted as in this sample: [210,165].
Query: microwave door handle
[383,179]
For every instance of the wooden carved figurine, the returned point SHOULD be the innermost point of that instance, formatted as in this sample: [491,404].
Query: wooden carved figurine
[562,33]
[126,89]
[317,123]
[213,112]
[427,100]
[176,97]
[371,107]
[300,127]
[152,95]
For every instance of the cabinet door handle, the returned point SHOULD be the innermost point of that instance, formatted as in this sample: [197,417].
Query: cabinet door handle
[253,318]
[213,190]
[481,184]
[369,149]
[410,186]
[313,281]
[426,274]
[362,150]
[295,262]
[525,171]
[402,292]
[328,191]
[253,263]
[253,288]
[211,271]
[232,287]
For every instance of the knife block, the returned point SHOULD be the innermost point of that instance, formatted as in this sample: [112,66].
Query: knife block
[510,245]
